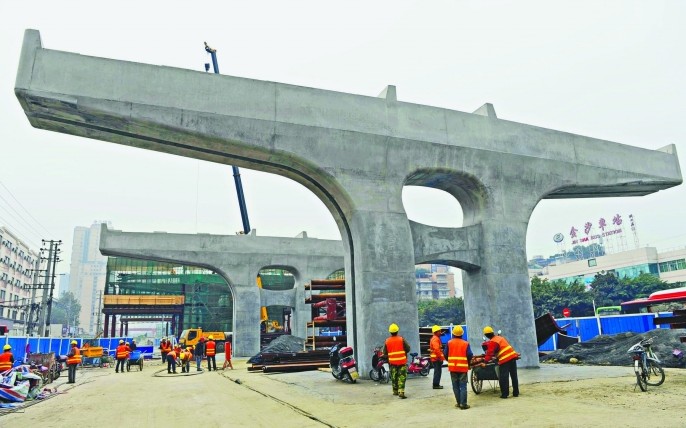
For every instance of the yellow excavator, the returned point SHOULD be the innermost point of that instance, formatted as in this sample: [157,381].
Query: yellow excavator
[267,325]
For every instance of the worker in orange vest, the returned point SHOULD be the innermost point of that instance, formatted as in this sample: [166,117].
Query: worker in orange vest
[436,355]
[171,362]
[459,355]
[395,349]
[227,354]
[165,347]
[186,356]
[211,351]
[122,355]
[6,358]
[73,360]
[507,362]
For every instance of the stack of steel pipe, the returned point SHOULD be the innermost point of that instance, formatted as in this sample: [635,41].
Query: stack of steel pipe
[292,361]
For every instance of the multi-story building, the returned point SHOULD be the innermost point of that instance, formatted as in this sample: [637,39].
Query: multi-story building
[17,265]
[434,282]
[670,266]
[87,274]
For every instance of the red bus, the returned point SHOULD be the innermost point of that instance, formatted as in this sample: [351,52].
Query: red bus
[658,297]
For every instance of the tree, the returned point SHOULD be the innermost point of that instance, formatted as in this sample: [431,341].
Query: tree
[554,296]
[65,310]
[441,312]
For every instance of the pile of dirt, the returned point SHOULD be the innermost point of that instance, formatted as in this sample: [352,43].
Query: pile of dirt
[285,343]
[611,350]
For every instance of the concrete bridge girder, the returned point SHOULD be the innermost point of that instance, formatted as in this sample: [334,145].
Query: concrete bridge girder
[355,153]
[239,259]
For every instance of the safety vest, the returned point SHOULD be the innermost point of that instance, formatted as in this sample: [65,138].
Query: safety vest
[172,354]
[396,351]
[76,358]
[436,353]
[165,347]
[5,361]
[457,355]
[122,353]
[505,351]
[210,348]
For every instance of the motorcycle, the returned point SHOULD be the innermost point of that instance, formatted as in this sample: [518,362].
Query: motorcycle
[418,364]
[380,370]
[342,363]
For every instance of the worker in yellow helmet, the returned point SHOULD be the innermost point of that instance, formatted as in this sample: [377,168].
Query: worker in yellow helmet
[498,348]
[436,355]
[73,360]
[6,358]
[211,352]
[459,355]
[396,349]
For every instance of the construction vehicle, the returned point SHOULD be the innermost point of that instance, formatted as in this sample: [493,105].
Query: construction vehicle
[191,337]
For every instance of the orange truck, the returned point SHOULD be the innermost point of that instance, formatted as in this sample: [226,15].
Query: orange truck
[191,337]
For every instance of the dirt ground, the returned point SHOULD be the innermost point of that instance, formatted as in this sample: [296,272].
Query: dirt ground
[552,396]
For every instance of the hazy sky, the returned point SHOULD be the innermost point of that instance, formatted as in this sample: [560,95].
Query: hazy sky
[612,70]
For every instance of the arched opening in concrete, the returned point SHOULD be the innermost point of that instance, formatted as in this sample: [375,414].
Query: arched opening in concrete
[154,298]
[432,207]
[276,320]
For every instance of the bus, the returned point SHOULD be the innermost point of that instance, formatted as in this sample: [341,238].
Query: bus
[673,295]
[608,310]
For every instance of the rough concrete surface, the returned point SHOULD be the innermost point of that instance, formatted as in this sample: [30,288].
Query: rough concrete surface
[552,396]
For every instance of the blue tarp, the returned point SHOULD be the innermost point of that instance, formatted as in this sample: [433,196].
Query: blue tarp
[60,346]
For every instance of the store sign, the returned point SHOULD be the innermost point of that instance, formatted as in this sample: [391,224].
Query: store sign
[586,233]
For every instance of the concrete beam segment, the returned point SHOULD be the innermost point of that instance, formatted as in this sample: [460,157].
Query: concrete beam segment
[457,247]
[355,153]
[239,258]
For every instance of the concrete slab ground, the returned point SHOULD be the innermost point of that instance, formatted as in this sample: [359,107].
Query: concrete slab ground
[551,396]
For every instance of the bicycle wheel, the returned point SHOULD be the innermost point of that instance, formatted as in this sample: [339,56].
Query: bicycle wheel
[656,374]
[477,384]
[641,376]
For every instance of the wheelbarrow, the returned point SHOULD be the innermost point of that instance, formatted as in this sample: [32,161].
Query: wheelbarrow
[135,360]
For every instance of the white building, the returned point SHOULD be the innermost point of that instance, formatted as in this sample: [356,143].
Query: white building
[87,274]
[17,263]
[437,283]
[670,266]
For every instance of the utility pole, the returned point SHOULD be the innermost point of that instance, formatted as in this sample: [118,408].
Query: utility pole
[99,314]
[44,300]
[55,254]
[34,310]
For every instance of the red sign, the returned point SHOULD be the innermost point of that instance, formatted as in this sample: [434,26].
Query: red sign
[566,312]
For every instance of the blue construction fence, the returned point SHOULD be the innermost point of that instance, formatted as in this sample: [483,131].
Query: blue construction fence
[21,346]
[585,328]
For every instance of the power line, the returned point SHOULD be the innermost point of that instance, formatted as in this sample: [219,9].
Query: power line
[15,231]
[26,226]
[24,208]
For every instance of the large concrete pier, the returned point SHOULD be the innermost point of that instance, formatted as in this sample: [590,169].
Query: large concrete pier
[356,153]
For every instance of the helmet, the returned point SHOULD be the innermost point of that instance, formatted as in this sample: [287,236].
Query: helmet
[488,329]
[435,328]
[211,337]
[6,348]
[393,328]
[121,342]
[458,331]
[127,343]
[73,342]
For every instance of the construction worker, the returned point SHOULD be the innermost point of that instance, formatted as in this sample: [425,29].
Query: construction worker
[171,361]
[199,353]
[186,360]
[210,351]
[73,360]
[459,355]
[6,358]
[507,361]
[395,349]
[436,355]
[133,345]
[122,355]
[227,354]
[165,347]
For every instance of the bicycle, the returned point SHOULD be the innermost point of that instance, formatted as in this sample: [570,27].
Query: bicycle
[646,365]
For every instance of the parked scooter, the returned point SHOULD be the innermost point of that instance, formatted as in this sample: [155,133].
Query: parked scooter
[342,363]
[380,369]
[419,365]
